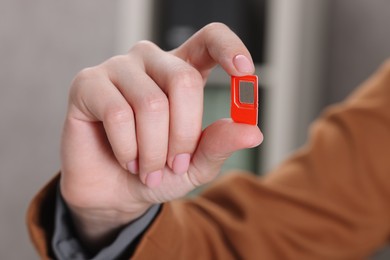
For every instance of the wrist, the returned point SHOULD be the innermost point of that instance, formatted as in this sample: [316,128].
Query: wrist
[98,228]
[98,215]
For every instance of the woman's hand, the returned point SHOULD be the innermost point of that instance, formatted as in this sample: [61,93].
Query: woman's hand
[132,135]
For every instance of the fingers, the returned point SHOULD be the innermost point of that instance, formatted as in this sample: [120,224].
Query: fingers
[94,98]
[218,142]
[216,44]
[151,102]
[133,110]
[182,80]
[151,109]
[183,86]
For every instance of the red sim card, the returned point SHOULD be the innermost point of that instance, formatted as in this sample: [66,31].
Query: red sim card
[244,104]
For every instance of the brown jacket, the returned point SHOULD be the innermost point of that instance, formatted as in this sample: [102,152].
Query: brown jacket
[330,200]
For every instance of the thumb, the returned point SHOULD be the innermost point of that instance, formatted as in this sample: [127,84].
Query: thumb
[218,141]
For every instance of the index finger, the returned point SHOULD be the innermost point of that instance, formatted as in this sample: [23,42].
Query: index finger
[216,44]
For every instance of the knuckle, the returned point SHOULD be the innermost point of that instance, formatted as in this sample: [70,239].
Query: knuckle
[198,177]
[86,74]
[156,160]
[142,46]
[152,162]
[189,79]
[194,180]
[189,137]
[216,26]
[118,115]
[126,153]
[117,60]
[154,103]
[82,82]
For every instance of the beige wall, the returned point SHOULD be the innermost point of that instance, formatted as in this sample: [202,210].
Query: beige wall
[359,40]
[43,44]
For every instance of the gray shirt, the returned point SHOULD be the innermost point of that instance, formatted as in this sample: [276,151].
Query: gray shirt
[66,245]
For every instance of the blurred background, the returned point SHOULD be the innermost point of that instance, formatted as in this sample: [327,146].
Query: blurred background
[308,54]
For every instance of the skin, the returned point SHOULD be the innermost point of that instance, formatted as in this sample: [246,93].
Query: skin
[132,135]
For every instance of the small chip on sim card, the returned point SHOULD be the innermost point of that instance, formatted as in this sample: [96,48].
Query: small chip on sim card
[244,99]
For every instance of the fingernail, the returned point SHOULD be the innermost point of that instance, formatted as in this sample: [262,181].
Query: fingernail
[153,179]
[132,167]
[181,163]
[243,64]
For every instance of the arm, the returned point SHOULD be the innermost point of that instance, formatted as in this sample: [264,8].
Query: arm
[132,136]
[330,200]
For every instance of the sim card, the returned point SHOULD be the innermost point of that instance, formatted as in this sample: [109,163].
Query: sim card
[244,99]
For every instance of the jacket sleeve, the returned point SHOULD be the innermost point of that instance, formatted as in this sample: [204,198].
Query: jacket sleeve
[41,217]
[330,200]
[52,231]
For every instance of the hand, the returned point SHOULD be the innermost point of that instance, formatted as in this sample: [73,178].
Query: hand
[132,135]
